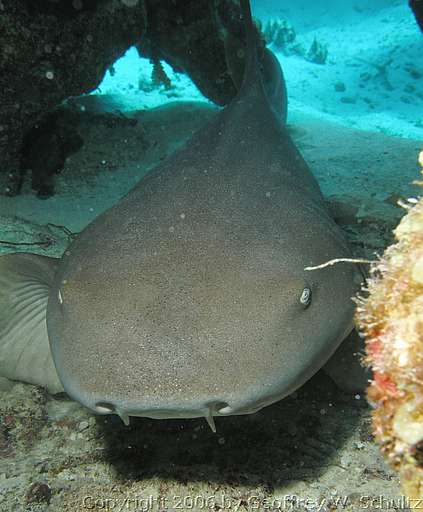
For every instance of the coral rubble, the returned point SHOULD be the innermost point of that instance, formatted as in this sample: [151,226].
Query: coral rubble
[391,319]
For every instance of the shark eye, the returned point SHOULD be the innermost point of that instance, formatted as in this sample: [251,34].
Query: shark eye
[305,298]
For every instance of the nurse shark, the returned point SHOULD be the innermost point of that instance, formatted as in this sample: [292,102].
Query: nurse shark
[190,297]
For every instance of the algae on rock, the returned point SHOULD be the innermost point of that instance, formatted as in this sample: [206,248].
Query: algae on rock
[391,319]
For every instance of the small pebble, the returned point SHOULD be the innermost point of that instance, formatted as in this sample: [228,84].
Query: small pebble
[340,87]
[348,99]
[83,425]
[39,492]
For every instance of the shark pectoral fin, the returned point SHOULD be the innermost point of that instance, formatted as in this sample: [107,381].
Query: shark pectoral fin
[25,282]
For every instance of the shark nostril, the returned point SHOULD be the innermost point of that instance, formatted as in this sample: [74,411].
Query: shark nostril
[212,408]
[105,408]
[108,408]
[217,406]
[225,409]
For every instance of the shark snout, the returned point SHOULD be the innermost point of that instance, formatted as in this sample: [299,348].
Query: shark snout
[206,410]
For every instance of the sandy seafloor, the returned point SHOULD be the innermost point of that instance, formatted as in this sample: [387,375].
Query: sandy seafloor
[311,451]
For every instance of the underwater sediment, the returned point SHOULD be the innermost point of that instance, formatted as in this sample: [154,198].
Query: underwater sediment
[391,319]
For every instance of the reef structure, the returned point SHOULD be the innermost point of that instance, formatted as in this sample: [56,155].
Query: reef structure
[52,50]
[391,320]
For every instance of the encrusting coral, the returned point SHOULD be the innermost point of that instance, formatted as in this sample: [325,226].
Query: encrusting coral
[318,52]
[279,32]
[282,35]
[391,319]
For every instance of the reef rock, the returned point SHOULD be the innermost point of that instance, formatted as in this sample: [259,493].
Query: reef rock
[391,319]
[55,49]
